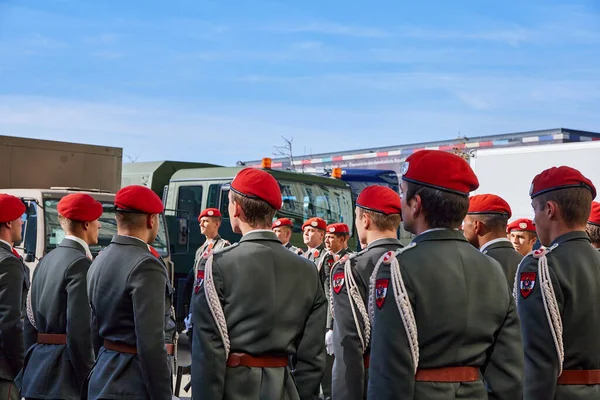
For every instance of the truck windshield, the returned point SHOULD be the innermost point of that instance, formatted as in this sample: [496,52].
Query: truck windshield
[55,234]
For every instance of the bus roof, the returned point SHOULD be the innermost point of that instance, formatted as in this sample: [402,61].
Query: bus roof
[227,173]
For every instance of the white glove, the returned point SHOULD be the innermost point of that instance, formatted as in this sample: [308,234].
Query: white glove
[329,342]
[188,321]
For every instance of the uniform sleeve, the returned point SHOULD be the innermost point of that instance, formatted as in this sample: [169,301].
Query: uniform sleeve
[208,353]
[391,368]
[79,332]
[504,371]
[541,360]
[348,376]
[311,349]
[147,283]
[11,328]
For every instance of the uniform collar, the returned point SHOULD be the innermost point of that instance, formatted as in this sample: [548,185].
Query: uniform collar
[81,242]
[440,234]
[7,245]
[130,240]
[382,242]
[259,234]
[213,240]
[494,241]
[319,247]
[575,235]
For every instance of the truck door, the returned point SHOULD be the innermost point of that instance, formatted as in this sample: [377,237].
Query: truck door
[29,234]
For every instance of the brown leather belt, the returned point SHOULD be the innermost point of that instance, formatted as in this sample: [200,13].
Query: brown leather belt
[246,360]
[125,348]
[52,338]
[448,374]
[579,377]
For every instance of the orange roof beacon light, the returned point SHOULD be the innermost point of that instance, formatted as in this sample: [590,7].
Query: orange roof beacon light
[336,173]
[266,163]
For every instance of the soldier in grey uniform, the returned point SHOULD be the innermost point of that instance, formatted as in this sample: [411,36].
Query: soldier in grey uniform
[485,228]
[336,245]
[255,303]
[557,292]
[282,228]
[445,324]
[57,363]
[130,297]
[593,225]
[313,233]
[210,221]
[14,284]
[377,221]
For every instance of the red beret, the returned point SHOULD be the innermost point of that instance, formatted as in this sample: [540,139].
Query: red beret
[594,218]
[559,178]
[338,228]
[315,222]
[209,212]
[282,222]
[380,199]
[138,198]
[440,170]
[79,207]
[523,224]
[488,204]
[11,208]
[257,184]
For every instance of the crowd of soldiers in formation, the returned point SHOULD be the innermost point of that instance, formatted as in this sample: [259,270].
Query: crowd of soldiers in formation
[459,313]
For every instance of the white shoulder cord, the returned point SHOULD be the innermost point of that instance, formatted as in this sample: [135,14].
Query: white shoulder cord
[214,304]
[30,315]
[402,302]
[551,305]
[357,304]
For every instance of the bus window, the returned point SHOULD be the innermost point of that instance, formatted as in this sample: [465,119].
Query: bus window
[189,201]
[224,202]
[214,191]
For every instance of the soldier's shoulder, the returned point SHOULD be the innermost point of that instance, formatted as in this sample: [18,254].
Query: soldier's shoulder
[232,247]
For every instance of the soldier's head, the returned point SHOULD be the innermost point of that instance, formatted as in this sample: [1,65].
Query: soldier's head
[210,221]
[486,219]
[561,198]
[254,199]
[336,237]
[137,211]
[522,235]
[313,232]
[593,225]
[11,224]
[435,190]
[378,213]
[283,229]
[78,215]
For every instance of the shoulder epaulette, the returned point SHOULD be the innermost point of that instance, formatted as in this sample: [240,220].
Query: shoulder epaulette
[352,256]
[226,249]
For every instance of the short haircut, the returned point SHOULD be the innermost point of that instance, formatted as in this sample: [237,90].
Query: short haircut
[381,221]
[495,222]
[575,204]
[130,220]
[441,209]
[285,228]
[68,225]
[257,212]
[593,232]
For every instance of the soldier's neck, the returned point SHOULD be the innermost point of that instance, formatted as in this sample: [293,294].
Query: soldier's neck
[6,236]
[245,228]
[143,236]
[376,235]
[488,237]
[558,229]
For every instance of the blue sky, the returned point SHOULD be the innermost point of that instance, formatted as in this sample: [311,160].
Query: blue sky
[205,81]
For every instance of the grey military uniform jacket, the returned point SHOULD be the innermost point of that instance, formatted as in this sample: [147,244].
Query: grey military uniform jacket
[315,254]
[504,252]
[465,316]
[349,372]
[14,285]
[60,305]
[130,297]
[574,269]
[292,248]
[273,305]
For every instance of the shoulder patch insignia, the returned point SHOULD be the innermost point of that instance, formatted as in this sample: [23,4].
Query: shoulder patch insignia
[199,281]
[381,286]
[387,257]
[539,253]
[344,259]
[336,258]
[527,283]
[338,282]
